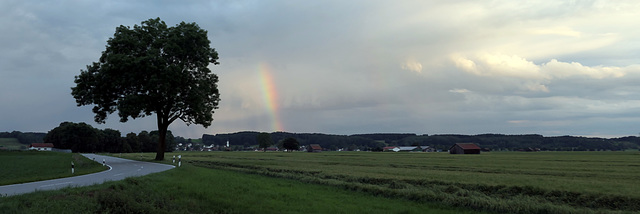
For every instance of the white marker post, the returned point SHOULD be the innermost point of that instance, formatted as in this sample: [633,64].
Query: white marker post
[174,159]
[104,162]
[179,160]
[72,168]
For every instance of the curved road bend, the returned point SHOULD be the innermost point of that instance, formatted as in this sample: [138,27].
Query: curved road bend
[118,169]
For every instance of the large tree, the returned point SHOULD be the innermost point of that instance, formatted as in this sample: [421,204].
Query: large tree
[264,140]
[153,69]
[79,137]
[291,144]
[134,142]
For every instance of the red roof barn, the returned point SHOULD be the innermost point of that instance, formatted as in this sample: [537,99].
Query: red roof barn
[464,148]
[314,148]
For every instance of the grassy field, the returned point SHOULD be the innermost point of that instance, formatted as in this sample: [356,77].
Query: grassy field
[509,182]
[27,166]
[362,182]
[191,189]
[11,144]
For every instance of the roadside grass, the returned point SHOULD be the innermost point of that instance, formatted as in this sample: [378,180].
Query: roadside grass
[508,182]
[11,144]
[191,189]
[27,166]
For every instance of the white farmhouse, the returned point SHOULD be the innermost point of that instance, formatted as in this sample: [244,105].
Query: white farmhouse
[41,146]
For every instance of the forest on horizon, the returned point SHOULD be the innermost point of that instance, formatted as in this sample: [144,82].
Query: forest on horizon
[376,141]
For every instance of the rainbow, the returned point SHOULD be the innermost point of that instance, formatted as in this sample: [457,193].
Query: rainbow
[270,95]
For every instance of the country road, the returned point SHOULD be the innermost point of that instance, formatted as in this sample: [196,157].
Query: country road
[118,169]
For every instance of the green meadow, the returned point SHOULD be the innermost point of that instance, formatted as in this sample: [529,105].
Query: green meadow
[505,182]
[362,182]
[191,189]
[26,166]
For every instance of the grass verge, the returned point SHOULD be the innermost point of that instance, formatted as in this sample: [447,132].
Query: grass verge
[28,166]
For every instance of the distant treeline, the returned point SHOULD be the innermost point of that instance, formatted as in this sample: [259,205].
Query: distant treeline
[332,142]
[495,142]
[26,138]
[82,137]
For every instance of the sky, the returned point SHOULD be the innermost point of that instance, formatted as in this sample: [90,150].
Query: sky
[350,67]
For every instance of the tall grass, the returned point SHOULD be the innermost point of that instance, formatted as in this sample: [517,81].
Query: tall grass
[27,166]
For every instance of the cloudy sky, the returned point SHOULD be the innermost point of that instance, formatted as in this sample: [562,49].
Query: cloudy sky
[346,67]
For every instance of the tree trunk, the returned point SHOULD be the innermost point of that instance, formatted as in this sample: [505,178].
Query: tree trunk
[162,144]
[162,132]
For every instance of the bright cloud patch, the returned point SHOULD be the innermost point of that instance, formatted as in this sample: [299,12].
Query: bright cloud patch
[531,76]
[412,65]
[561,31]
[498,65]
[564,70]
[459,91]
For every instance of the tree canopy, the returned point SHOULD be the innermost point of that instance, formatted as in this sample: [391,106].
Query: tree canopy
[78,137]
[291,144]
[82,137]
[153,69]
[264,140]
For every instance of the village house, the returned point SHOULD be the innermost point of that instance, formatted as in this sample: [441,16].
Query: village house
[429,149]
[272,149]
[41,146]
[209,148]
[464,148]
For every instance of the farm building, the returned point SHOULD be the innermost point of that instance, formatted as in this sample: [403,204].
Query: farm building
[464,148]
[408,149]
[314,148]
[404,149]
[272,149]
[41,146]
[389,148]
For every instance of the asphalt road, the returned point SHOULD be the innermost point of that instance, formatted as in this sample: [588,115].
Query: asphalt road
[118,169]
